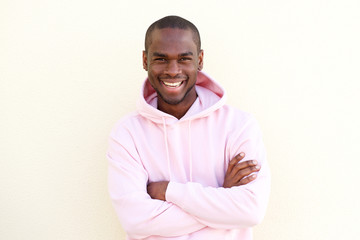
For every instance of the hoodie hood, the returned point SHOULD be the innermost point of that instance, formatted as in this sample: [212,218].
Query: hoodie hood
[211,96]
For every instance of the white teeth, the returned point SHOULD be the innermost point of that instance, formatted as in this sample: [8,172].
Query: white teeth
[177,84]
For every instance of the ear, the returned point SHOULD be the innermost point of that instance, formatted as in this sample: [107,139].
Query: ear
[201,58]
[144,57]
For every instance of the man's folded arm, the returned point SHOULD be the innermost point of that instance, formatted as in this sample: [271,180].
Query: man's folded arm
[235,207]
[140,215]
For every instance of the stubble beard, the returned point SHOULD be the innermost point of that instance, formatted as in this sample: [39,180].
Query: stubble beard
[174,102]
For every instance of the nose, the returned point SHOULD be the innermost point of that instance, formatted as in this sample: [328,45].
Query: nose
[172,68]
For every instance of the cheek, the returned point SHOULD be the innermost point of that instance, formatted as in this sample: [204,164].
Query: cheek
[156,69]
[190,67]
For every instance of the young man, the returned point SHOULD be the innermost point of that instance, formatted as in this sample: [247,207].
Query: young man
[177,166]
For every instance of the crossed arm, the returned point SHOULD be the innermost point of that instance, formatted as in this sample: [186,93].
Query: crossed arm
[237,174]
[159,208]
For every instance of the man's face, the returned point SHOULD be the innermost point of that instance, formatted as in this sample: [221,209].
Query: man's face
[172,62]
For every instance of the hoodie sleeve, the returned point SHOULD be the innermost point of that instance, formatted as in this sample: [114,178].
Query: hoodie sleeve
[140,215]
[228,208]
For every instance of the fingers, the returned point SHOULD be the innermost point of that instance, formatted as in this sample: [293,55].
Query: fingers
[244,168]
[245,172]
[244,177]
[246,180]
[245,164]
[240,173]
[234,162]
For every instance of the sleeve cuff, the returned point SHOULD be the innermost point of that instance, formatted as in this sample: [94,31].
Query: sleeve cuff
[175,193]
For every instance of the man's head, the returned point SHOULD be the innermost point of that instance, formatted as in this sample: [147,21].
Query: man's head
[173,22]
[172,58]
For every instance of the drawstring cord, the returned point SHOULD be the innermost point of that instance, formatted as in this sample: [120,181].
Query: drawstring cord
[190,153]
[166,147]
[167,150]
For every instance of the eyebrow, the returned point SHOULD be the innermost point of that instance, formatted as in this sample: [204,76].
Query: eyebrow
[186,54]
[157,54]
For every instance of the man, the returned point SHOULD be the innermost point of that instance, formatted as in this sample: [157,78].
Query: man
[177,166]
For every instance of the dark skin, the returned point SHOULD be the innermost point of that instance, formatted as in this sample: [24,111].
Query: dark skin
[172,61]
[237,174]
[173,57]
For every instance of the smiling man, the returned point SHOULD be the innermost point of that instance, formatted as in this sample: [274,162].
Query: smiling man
[185,165]
[172,59]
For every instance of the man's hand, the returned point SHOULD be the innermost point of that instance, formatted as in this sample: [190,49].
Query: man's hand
[238,173]
[157,190]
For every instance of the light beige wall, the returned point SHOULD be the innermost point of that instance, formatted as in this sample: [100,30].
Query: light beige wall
[70,69]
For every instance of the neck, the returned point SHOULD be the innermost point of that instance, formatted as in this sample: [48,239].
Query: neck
[177,110]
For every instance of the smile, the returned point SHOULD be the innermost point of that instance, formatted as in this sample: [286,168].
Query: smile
[172,85]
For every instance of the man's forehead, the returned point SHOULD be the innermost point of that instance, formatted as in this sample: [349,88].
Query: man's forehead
[172,38]
[171,34]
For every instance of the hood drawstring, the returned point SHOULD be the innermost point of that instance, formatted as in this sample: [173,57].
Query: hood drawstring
[190,153]
[167,150]
[166,147]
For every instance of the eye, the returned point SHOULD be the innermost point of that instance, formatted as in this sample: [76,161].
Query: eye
[160,59]
[183,59]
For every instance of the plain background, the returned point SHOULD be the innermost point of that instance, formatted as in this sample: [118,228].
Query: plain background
[70,69]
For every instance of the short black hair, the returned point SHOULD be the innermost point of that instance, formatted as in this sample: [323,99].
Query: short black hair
[173,22]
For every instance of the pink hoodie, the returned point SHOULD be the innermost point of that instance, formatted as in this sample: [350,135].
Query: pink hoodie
[193,154]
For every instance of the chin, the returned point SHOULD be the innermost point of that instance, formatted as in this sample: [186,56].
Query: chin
[173,101]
